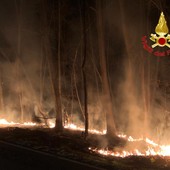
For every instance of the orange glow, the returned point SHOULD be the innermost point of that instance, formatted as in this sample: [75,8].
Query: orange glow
[51,124]
[75,127]
[151,150]
[5,122]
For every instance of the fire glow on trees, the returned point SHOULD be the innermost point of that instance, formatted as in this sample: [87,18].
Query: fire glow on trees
[128,100]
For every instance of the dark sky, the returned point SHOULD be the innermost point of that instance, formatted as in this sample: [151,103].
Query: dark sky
[29,26]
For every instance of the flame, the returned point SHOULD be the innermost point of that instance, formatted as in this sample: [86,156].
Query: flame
[29,124]
[153,149]
[5,122]
[51,124]
[79,128]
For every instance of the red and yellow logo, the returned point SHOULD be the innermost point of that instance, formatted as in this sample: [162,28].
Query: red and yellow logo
[160,39]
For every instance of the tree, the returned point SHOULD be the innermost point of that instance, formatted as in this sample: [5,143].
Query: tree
[20,91]
[53,61]
[107,101]
[83,69]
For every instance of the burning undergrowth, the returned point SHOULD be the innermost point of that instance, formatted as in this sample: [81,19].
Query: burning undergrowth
[123,146]
[119,145]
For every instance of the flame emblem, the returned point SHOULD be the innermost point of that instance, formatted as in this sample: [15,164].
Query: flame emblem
[161,38]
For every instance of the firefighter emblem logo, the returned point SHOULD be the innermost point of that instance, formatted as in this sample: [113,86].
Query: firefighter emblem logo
[161,38]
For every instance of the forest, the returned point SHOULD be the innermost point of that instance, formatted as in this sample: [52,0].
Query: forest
[93,71]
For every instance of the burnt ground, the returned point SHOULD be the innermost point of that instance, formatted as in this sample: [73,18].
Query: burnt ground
[72,145]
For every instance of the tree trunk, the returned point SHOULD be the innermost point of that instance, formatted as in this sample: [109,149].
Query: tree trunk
[83,70]
[52,64]
[107,101]
[20,93]
[1,92]
[59,125]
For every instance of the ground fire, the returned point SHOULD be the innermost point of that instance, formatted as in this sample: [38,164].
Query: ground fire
[151,148]
[84,84]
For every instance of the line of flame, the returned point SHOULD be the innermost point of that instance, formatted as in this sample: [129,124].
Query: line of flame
[5,122]
[51,125]
[153,149]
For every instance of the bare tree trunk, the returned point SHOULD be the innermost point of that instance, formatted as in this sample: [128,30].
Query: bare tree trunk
[107,101]
[21,106]
[59,125]
[52,63]
[1,92]
[18,10]
[83,69]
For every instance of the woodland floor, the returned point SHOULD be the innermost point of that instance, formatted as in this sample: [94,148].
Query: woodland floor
[73,146]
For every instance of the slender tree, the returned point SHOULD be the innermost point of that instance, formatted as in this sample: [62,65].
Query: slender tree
[59,125]
[107,101]
[1,92]
[53,62]
[83,69]
[20,92]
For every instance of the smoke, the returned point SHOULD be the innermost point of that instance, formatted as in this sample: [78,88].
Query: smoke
[139,81]
[141,101]
[24,80]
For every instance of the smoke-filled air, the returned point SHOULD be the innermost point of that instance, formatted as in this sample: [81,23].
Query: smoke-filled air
[84,65]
